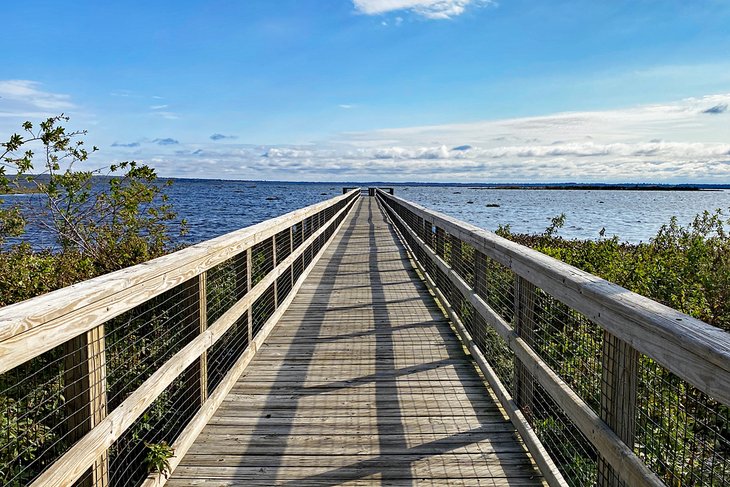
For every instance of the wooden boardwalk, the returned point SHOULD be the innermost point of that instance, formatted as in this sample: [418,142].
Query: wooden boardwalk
[362,382]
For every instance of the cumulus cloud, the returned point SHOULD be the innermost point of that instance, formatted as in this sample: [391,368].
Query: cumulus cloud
[669,142]
[222,137]
[432,9]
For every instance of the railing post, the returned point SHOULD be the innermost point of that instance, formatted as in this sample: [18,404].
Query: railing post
[249,273]
[195,300]
[619,378]
[273,266]
[85,392]
[457,265]
[291,251]
[203,325]
[524,302]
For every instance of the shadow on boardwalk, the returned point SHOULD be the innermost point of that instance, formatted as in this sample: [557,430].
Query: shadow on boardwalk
[362,382]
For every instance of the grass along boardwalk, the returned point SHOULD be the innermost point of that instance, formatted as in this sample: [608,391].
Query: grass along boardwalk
[363,381]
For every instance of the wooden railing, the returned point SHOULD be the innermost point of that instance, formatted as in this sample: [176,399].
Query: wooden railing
[102,380]
[605,386]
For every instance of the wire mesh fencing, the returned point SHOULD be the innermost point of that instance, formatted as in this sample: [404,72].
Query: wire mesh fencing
[51,402]
[680,433]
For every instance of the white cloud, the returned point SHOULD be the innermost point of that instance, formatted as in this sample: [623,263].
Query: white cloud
[29,94]
[432,9]
[671,142]
[158,107]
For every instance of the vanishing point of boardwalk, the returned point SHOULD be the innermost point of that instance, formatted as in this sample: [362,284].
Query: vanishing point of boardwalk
[362,382]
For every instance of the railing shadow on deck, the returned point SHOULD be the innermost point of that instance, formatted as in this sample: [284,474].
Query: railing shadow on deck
[294,381]
[390,428]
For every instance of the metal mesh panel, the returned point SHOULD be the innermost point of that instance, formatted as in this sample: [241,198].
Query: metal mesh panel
[161,422]
[35,421]
[495,284]
[568,342]
[225,284]
[572,452]
[262,260]
[226,351]
[681,433]
[141,340]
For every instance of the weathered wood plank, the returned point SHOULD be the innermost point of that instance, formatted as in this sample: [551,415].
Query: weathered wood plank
[363,379]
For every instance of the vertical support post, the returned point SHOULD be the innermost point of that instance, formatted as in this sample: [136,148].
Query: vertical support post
[194,301]
[85,392]
[456,263]
[202,326]
[619,379]
[524,302]
[273,266]
[291,251]
[249,272]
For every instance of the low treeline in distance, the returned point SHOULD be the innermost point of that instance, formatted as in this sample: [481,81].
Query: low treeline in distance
[127,220]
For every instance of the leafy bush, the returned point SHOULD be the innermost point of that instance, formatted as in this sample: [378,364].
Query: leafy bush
[99,223]
[684,267]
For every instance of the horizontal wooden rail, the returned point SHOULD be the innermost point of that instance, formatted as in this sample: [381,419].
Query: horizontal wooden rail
[60,317]
[629,320]
[690,348]
[32,327]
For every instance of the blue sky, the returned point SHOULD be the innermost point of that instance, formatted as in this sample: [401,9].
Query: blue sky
[382,89]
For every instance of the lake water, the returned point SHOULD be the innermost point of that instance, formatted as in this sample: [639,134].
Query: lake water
[214,207]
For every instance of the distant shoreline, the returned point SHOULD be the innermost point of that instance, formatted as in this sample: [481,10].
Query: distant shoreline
[598,187]
[626,186]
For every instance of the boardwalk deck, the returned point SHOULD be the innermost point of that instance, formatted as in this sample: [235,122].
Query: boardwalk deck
[362,382]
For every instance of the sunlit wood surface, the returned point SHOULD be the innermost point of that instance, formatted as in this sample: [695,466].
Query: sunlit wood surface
[362,382]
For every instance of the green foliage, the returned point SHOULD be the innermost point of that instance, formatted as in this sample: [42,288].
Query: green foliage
[99,224]
[158,457]
[684,267]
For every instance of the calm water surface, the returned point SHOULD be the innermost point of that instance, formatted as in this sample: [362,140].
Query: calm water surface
[214,207]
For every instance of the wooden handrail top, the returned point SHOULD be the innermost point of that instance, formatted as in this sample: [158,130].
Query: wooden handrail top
[97,300]
[690,348]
